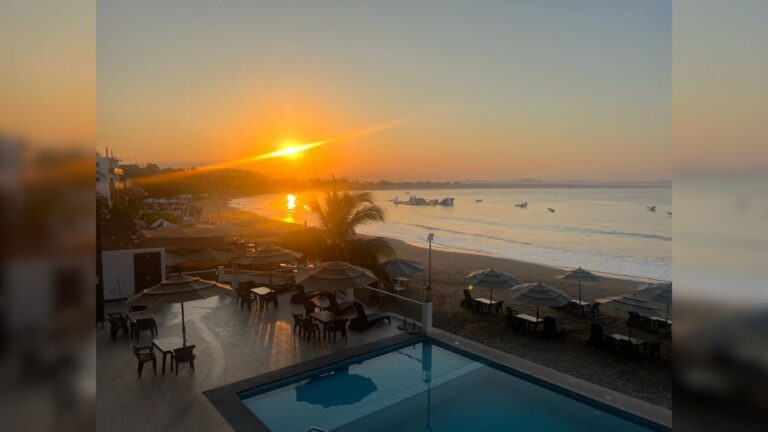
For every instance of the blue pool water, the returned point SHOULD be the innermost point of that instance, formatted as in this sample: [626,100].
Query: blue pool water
[424,387]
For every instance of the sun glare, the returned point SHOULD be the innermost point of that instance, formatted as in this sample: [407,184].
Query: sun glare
[290,201]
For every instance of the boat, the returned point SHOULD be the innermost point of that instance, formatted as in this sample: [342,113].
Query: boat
[478,200]
[651,208]
[669,213]
[551,210]
[414,200]
[523,204]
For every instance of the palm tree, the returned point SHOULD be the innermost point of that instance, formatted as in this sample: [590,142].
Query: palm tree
[340,214]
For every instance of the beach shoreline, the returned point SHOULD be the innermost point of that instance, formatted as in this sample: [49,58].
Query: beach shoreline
[649,381]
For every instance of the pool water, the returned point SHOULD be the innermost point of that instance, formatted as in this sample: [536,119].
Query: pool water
[424,387]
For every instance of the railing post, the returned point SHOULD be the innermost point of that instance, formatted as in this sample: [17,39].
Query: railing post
[219,273]
[426,316]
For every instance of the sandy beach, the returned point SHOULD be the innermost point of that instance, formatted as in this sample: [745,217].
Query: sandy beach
[649,381]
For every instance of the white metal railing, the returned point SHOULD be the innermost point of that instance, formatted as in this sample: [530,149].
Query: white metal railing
[410,311]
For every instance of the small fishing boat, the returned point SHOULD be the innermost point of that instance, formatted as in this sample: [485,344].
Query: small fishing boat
[523,204]
[551,210]
[478,200]
[651,208]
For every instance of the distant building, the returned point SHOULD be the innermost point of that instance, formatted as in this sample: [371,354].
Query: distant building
[109,176]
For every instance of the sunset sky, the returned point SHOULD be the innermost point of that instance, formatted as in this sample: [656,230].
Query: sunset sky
[414,90]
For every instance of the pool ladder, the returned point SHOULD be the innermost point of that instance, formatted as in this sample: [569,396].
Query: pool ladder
[315,429]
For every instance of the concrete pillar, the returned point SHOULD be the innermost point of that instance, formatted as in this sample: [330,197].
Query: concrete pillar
[426,316]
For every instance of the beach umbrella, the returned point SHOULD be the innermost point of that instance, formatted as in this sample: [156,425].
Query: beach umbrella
[334,275]
[539,294]
[401,267]
[635,304]
[335,388]
[660,293]
[491,278]
[268,255]
[581,275]
[179,289]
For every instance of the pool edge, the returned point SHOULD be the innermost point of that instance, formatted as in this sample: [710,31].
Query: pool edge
[638,408]
[226,401]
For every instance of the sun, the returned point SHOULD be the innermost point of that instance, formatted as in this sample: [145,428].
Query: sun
[291,150]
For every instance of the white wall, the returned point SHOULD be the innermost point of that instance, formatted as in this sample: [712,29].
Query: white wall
[117,268]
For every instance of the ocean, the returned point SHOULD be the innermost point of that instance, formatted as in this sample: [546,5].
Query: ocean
[609,230]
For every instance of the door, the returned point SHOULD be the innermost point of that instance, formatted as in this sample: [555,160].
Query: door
[146,270]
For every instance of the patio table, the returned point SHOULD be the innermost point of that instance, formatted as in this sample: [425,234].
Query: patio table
[166,346]
[140,315]
[489,305]
[324,317]
[261,293]
[529,320]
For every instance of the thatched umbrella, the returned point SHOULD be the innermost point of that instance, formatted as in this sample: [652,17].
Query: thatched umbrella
[491,278]
[401,267]
[660,293]
[539,294]
[581,275]
[179,289]
[268,255]
[334,275]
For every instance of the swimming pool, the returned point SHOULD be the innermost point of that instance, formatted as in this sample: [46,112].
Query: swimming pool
[427,386]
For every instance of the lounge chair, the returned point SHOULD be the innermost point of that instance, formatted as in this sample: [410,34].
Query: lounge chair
[468,301]
[301,296]
[337,308]
[183,355]
[550,328]
[363,321]
[145,354]
[596,337]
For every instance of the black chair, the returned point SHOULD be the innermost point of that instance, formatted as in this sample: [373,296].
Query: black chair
[310,307]
[363,321]
[337,326]
[246,298]
[145,354]
[137,308]
[310,328]
[269,298]
[144,324]
[183,355]
[634,320]
[467,301]
[301,296]
[653,350]
[298,323]
[512,320]
[550,328]
[596,336]
[117,323]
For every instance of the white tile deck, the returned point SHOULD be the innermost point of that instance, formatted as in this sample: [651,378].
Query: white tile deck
[231,345]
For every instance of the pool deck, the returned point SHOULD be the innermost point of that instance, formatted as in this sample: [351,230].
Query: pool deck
[231,345]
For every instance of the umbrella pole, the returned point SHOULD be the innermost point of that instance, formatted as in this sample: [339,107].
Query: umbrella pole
[183,326]
[579,293]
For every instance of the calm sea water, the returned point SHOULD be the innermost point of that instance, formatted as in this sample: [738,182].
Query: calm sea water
[606,230]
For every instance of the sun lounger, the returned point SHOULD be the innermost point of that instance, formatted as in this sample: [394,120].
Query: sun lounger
[363,321]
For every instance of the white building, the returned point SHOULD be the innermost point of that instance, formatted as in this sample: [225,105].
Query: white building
[109,176]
